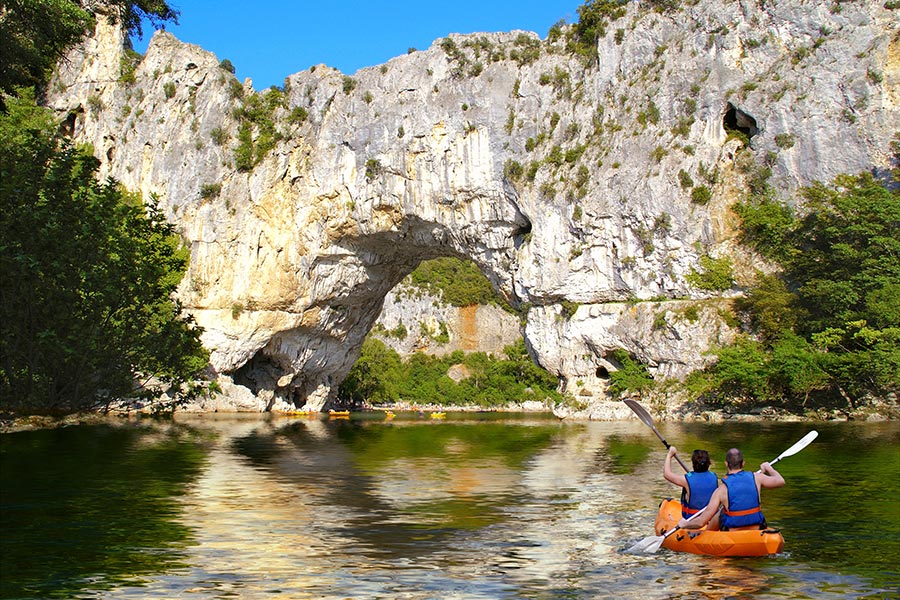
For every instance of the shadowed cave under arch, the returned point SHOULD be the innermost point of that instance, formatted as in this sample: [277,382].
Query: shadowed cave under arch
[382,261]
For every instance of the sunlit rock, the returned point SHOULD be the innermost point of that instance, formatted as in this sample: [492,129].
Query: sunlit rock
[562,181]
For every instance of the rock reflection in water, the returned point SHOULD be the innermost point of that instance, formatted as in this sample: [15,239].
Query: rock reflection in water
[455,509]
[288,508]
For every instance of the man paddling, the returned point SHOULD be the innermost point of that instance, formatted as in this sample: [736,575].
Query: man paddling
[738,495]
[697,486]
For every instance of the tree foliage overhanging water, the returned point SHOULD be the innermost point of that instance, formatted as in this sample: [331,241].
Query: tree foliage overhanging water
[88,272]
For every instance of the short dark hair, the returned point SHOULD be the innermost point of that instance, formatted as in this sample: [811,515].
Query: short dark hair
[700,458]
[734,459]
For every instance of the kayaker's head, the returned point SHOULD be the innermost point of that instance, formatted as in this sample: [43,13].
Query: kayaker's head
[700,458]
[734,460]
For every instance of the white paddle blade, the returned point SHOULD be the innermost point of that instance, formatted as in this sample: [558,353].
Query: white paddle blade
[803,443]
[648,545]
[655,545]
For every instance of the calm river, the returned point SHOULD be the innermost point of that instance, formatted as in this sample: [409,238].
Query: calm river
[477,506]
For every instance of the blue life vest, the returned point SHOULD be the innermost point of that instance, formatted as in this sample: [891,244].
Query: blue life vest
[743,501]
[702,485]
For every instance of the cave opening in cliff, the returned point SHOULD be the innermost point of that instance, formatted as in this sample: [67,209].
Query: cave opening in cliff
[259,373]
[602,372]
[737,120]
[522,234]
[68,125]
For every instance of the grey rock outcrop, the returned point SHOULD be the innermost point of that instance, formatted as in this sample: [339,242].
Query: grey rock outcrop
[413,320]
[569,185]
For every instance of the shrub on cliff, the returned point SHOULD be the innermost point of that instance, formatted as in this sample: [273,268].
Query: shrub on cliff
[631,376]
[458,282]
[593,18]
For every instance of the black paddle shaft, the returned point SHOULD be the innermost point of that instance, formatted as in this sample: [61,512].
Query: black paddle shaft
[645,417]
[659,435]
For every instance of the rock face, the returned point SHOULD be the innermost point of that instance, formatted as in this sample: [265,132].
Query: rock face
[569,184]
[415,321]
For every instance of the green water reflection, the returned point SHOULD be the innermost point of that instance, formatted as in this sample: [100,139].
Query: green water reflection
[509,444]
[840,508]
[473,506]
[408,485]
[624,454]
[92,504]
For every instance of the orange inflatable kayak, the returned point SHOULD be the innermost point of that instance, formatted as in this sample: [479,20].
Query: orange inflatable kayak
[753,542]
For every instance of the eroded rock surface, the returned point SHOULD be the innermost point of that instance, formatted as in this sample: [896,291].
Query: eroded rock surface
[569,185]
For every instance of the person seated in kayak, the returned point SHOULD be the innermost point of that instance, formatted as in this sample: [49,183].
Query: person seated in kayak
[697,486]
[738,497]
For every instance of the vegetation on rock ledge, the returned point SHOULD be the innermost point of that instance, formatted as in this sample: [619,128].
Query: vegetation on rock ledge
[457,282]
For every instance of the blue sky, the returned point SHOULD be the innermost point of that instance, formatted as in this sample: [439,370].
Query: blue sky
[269,40]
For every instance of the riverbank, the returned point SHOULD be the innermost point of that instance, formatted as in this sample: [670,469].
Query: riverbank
[608,411]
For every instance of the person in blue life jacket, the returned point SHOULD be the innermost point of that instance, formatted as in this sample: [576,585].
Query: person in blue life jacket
[698,486]
[737,497]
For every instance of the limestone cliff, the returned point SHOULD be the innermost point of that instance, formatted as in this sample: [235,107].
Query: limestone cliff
[413,320]
[569,185]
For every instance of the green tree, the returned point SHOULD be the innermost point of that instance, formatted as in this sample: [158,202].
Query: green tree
[375,376]
[828,323]
[765,225]
[771,307]
[86,314]
[738,376]
[631,376]
[794,367]
[132,13]
[846,252]
[379,375]
[525,370]
[34,34]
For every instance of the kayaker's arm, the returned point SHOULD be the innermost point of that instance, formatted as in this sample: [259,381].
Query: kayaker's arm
[672,477]
[705,515]
[698,521]
[769,477]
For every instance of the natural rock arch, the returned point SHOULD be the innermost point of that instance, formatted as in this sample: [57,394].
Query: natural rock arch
[570,197]
[321,356]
